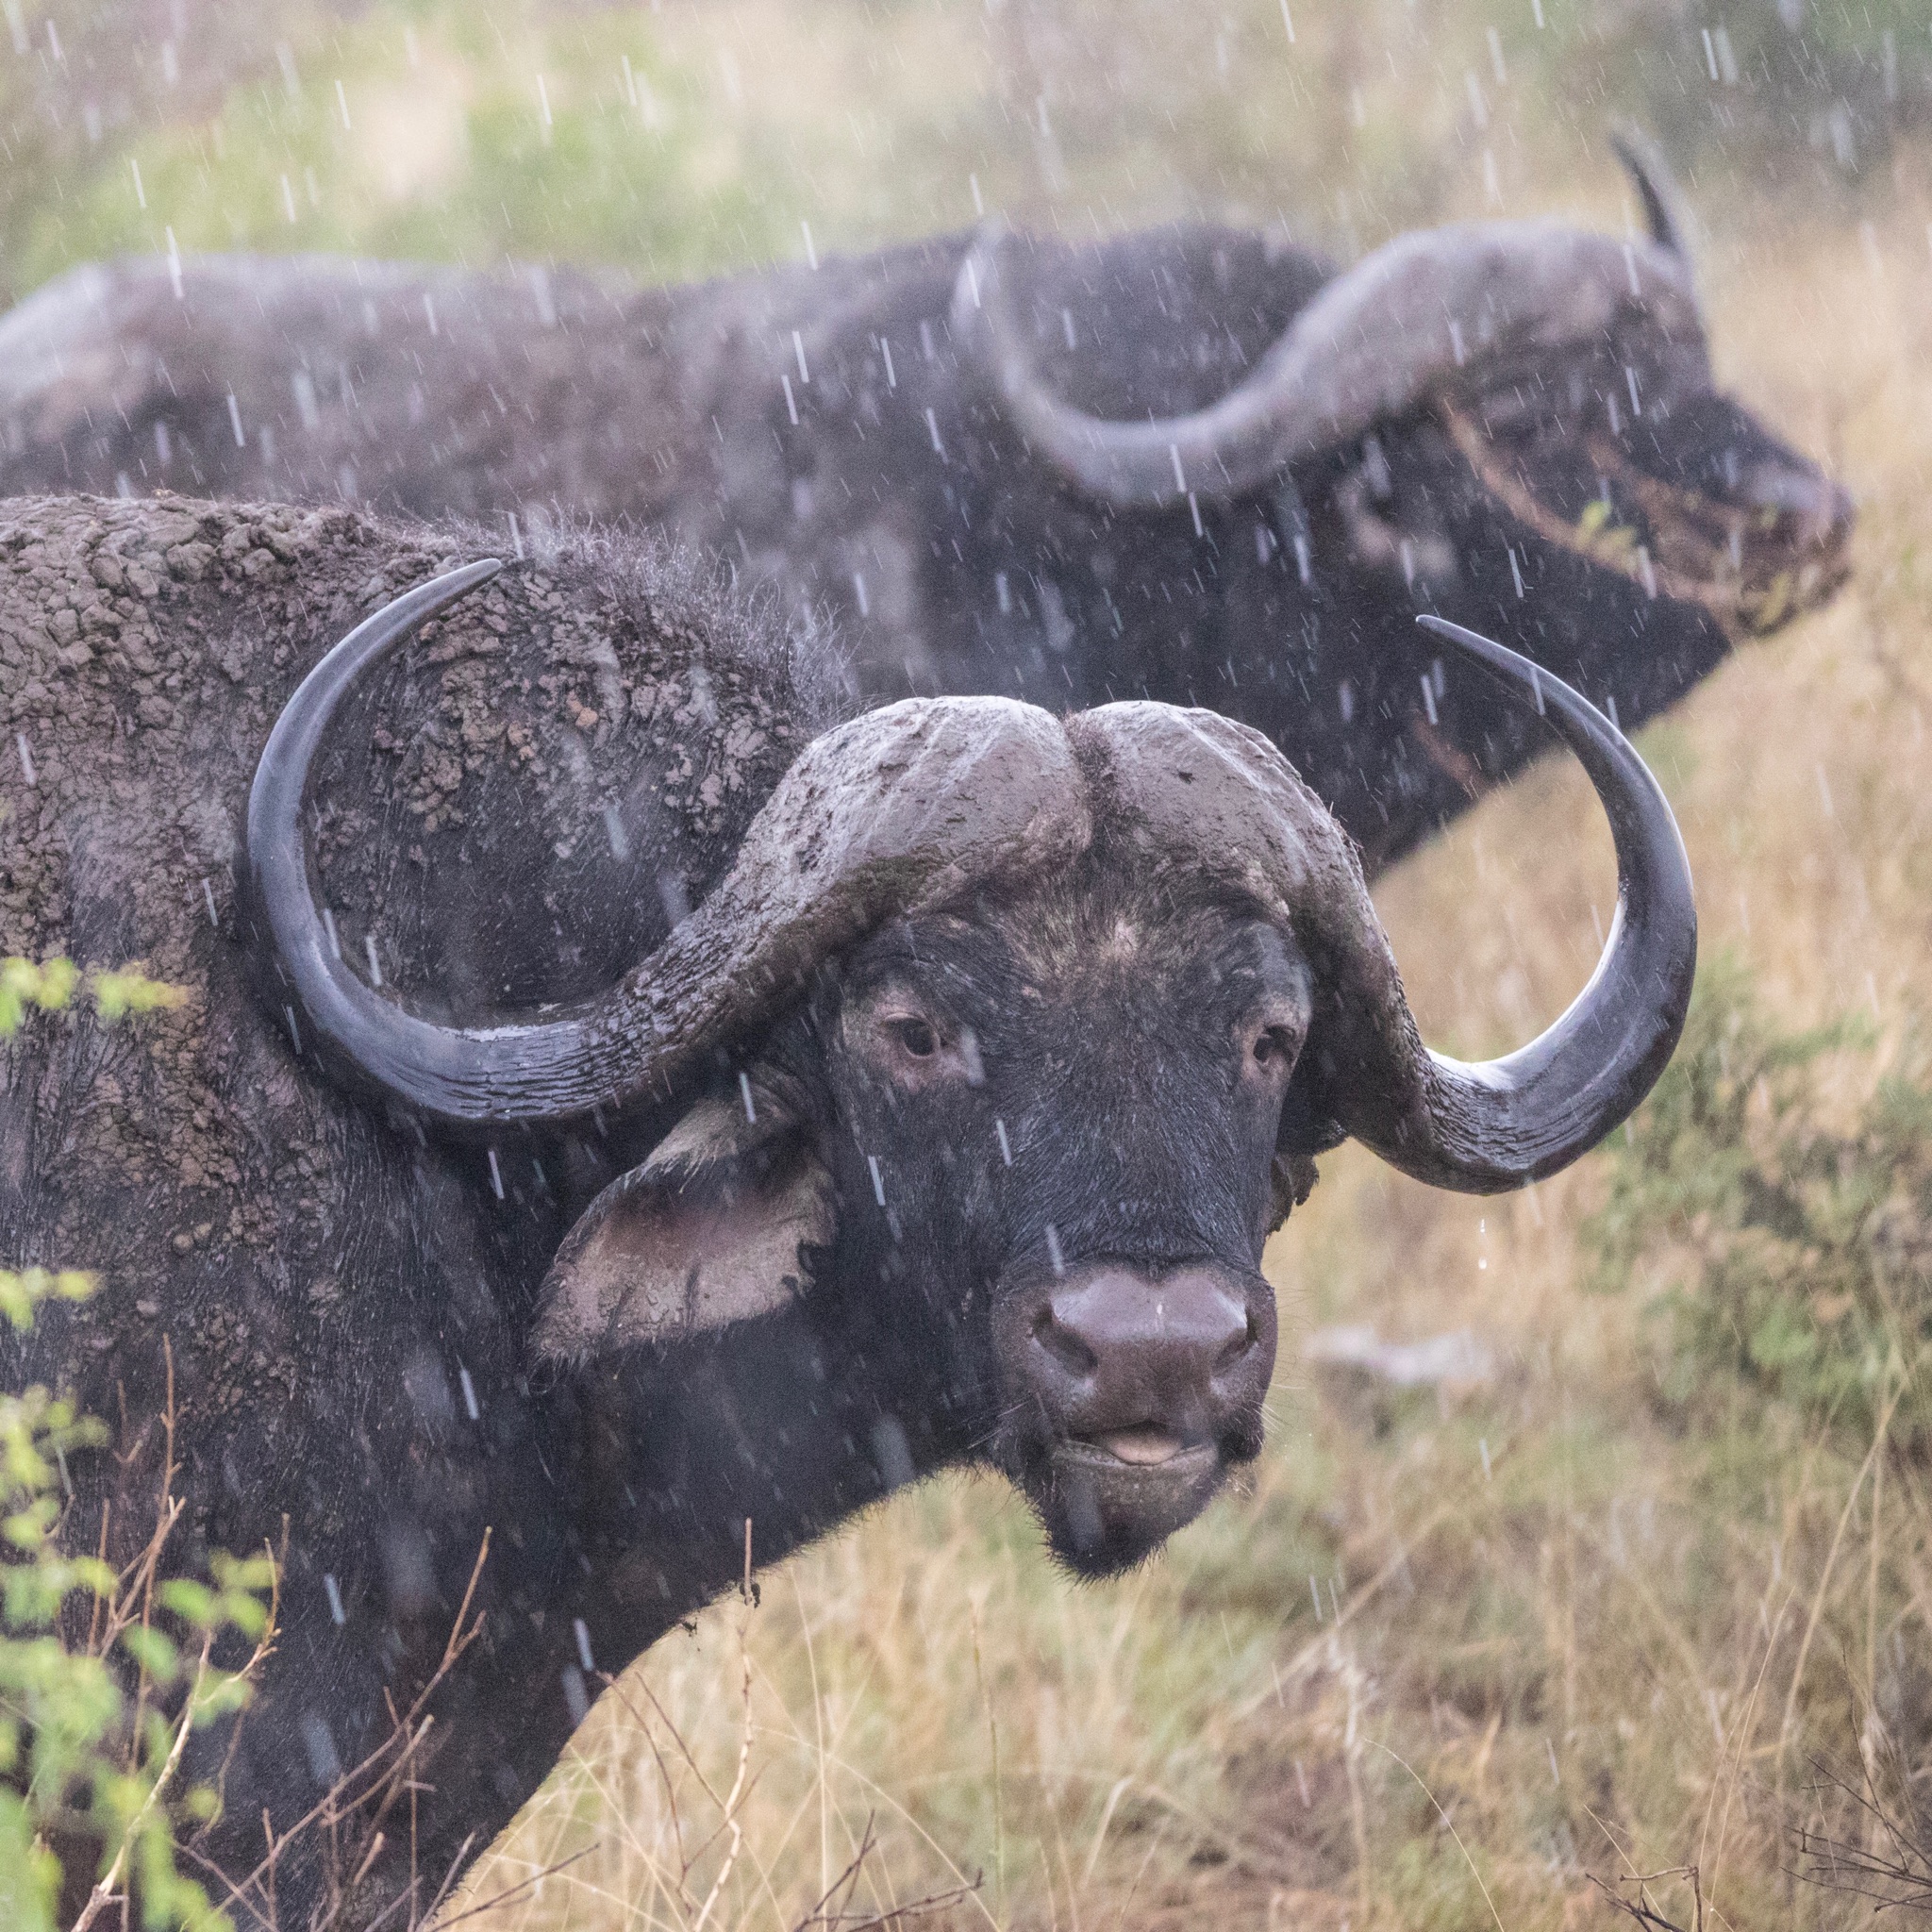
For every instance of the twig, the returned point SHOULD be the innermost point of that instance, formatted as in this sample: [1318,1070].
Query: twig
[845,1882]
[1636,1909]
[379,1778]
[504,1897]
[110,1619]
[1835,1862]
[650,1736]
[264,1649]
[107,1887]
[912,1908]
[1642,1910]
[449,1877]
[731,1801]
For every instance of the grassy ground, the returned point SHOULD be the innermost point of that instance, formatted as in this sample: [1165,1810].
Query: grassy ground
[1443,1660]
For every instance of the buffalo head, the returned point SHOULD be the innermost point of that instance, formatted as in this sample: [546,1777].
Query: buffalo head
[1568,373]
[1003,1044]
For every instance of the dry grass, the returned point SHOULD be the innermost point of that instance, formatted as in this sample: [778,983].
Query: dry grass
[1557,1636]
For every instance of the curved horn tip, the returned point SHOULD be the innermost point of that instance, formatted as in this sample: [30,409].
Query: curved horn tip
[350,1025]
[1664,212]
[1515,1120]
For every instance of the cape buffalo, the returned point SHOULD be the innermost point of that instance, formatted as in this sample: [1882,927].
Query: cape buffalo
[1196,464]
[621,1113]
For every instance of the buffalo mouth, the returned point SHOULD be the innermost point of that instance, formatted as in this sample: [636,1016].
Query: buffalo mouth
[1754,564]
[1134,1388]
[1149,1447]
[1109,1501]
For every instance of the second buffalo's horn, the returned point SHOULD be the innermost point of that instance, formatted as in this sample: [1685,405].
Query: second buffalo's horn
[1426,313]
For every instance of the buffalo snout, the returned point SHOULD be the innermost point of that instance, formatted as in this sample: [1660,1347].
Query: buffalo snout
[1142,1385]
[1142,1364]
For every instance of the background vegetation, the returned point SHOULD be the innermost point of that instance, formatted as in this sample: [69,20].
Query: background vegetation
[1453,1653]
[683,137]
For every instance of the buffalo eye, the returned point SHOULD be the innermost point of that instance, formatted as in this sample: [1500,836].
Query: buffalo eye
[916,1038]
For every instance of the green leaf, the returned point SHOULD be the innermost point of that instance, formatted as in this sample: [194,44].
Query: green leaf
[21,1292]
[47,985]
[256,1572]
[220,1694]
[29,1875]
[193,1603]
[153,1650]
[130,990]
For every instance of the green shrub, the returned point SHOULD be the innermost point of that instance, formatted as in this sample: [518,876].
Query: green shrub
[103,1677]
[1786,1237]
[105,1674]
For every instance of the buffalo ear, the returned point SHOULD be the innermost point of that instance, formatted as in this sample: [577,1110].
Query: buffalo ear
[712,1228]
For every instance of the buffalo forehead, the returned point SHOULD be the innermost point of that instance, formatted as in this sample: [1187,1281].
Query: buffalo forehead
[1213,797]
[942,788]
[1088,945]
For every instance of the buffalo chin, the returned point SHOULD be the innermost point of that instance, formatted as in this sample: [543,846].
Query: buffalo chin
[1104,1515]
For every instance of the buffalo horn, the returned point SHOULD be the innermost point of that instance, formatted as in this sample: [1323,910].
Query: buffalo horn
[1664,213]
[1427,312]
[1499,1123]
[1213,797]
[920,798]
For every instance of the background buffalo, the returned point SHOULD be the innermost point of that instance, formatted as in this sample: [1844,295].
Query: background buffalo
[1196,464]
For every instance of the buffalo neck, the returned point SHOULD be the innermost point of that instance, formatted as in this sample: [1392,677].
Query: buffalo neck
[653,1459]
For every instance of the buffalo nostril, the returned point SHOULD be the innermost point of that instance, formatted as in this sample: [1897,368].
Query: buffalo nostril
[1064,1346]
[1239,1347]
[1139,1342]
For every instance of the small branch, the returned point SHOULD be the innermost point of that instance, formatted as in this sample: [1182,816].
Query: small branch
[1643,1911]
[839,1920]
[459,1638]
[732,1800]
[504,1897]
[846,1881]
[913,1908]
[379,1778]
[637,1717]
[105,1891]
[1837,1865]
